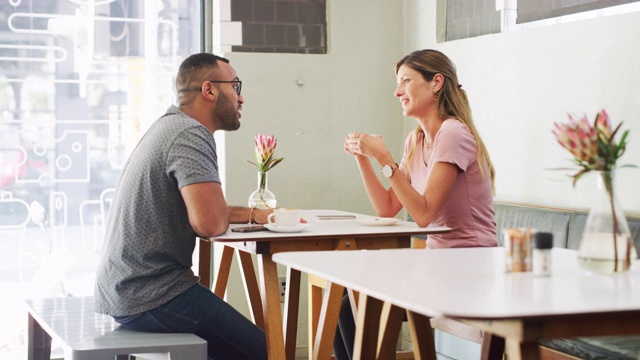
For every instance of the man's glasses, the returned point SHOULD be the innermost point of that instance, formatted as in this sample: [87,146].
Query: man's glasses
[237,84]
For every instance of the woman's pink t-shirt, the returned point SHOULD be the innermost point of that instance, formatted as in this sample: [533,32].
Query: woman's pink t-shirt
[468,210]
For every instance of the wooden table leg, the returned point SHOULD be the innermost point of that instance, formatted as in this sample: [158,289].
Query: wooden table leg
[353,302]
[492,347]
[328,321]
[251,288]
[222,275]
[390,323]
[367,326]
[315,303]
[424,347]
[291,306]
[522,350]
[204,263]
[271,307]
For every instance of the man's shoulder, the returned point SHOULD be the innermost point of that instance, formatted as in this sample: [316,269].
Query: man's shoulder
[174,113]
[175,119]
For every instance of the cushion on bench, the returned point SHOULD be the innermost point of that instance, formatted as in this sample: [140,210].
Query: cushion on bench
[538,218]
[597,348]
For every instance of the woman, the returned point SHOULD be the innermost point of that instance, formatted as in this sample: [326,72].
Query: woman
[445,176]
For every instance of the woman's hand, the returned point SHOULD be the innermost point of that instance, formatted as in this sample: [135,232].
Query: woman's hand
[347,147]
[365,145]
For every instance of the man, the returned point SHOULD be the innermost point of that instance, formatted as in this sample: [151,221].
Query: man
[168,194]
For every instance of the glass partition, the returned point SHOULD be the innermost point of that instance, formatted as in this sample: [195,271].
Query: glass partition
[80,82]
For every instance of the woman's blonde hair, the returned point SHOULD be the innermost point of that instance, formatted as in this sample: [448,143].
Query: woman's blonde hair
[452,99]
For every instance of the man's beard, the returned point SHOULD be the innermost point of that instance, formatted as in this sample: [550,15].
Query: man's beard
[227,114]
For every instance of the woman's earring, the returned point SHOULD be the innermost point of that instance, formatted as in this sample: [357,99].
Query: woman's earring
[435,93]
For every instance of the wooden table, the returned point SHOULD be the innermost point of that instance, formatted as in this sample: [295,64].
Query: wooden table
[264,298]
[470,285]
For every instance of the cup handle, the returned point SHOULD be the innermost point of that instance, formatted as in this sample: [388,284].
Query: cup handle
[271,217]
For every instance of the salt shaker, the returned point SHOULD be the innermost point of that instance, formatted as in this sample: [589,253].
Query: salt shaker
[542,244]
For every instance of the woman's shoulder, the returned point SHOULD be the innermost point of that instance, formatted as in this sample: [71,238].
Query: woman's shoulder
[454,128]
[453,124]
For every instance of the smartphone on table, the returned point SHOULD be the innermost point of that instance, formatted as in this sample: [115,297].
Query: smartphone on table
[251,228]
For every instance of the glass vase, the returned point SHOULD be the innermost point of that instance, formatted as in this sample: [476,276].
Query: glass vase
[262,198]
[606,246]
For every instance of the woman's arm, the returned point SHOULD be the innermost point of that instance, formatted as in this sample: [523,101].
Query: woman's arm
[422,207]
[384,201]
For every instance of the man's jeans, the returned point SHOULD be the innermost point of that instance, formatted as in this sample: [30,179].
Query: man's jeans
[228,333]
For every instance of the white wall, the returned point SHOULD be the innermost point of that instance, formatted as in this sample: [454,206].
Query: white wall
[520,83]
[349,89]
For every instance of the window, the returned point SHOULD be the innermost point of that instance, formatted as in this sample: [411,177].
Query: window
[461,19]
[284,26]
[80,82]
[532,10]
[467,18]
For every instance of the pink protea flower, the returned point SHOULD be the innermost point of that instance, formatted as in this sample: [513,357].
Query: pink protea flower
[593,147]
[603,126]
[579,138]
[265,147]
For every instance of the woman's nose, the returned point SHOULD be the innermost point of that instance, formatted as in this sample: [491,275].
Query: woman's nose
[399,91]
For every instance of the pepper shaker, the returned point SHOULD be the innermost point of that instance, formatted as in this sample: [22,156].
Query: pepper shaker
[542,244]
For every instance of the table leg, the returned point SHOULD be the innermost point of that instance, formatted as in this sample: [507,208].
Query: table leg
[492,347]
[328,321]
[353,301]
[424,347]
[222,275]
[522,350]
[271,307]
[204,263]
[291,305]
[367,325]
[314,287]
[251,287]
[390,323]
[38,341]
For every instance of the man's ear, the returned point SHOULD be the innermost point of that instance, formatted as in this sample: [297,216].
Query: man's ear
[209,90]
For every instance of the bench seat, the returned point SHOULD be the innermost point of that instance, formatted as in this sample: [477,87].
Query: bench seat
[595,348]
[84,334]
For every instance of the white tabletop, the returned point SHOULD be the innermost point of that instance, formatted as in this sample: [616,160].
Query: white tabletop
[471,283]
[332,228]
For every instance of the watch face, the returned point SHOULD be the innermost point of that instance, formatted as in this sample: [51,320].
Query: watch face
[387,171]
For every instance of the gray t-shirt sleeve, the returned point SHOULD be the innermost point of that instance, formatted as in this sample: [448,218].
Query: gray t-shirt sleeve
[192,158]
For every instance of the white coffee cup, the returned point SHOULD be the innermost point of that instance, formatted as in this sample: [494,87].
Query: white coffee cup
[284,217]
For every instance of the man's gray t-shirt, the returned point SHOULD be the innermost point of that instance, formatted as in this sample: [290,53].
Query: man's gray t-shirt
[146,260]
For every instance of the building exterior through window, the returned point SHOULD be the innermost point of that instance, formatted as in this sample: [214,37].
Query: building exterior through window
[80,82]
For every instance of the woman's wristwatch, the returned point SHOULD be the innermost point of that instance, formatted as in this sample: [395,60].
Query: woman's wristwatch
[388,170]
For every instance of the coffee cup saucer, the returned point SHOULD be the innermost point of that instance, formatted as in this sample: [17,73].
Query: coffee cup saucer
[287,229]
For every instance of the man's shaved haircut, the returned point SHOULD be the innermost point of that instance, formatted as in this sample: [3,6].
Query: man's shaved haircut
[193,71]
[194,68]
